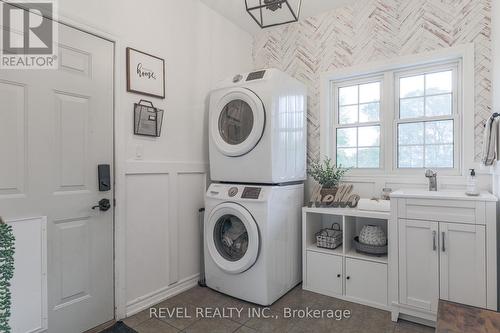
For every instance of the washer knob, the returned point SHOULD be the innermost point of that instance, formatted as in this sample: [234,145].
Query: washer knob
[232,191]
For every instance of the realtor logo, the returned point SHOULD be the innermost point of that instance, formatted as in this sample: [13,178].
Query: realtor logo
[29,34]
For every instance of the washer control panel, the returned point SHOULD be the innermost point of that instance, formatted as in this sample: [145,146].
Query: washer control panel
[251,193]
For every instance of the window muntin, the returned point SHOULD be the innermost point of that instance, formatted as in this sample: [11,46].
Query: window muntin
[426,120]
[358,125]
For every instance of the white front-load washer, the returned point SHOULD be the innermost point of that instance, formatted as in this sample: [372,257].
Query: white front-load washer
[257,129]
[252,240]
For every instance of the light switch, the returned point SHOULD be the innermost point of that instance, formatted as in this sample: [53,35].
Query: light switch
[139,151]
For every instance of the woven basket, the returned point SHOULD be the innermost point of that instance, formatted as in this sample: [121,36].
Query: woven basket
[369,249]
[329,238]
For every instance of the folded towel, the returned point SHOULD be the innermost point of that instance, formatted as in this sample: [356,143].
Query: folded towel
[490,141]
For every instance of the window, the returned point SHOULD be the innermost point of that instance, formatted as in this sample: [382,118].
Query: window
[425,121]
[398,120]
[358,124]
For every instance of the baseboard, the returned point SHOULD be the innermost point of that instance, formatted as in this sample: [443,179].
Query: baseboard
[146,301]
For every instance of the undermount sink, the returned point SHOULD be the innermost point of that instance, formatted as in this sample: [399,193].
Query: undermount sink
[441,194]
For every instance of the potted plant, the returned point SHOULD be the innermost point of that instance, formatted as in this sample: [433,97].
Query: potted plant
[327,174]
[7,242]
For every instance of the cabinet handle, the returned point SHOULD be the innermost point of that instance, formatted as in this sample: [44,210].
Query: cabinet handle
[442,239]
[434,246]
[338,275]
[348,277]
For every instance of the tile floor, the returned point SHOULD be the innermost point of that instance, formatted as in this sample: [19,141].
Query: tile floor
[363,318]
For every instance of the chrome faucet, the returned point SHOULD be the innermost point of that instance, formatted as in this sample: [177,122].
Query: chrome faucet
[432,175]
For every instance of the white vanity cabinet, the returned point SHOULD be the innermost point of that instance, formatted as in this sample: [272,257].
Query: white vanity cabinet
[446,250]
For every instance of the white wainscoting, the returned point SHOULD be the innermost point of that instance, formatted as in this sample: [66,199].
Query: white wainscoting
[29,284]
[163,235]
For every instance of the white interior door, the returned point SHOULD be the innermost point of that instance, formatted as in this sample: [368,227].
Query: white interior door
[463,263]
[419,264]
[56,126]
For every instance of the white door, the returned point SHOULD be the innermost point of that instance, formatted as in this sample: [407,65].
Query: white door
[56,126]
[324,273]
[237,123]
[419,264]
[232,238]
[366,281]
[462,263]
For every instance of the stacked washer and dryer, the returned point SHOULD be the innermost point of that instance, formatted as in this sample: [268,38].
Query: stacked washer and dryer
[257,143]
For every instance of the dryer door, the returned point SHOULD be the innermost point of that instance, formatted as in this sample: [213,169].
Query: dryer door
[232,238]
[237,123]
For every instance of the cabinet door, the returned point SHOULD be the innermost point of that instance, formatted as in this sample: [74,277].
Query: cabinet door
[463,263]
[419,264]
[324,273]
[366,281]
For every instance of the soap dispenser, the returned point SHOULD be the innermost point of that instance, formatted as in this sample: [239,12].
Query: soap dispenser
[471,184]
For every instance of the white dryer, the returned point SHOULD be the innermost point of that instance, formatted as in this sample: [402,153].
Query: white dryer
[252,240]
[257,129]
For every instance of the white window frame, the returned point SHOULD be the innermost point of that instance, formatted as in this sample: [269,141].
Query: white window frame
[456,116]
[464,142]
[335,109]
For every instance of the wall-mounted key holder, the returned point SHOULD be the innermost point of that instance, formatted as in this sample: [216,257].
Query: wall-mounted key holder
[147,119]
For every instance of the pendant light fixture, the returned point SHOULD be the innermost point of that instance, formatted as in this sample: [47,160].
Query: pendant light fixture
[271,13]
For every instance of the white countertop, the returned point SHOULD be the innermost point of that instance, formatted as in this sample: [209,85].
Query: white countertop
[442,195]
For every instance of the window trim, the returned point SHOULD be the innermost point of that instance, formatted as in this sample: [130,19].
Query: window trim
[464,53]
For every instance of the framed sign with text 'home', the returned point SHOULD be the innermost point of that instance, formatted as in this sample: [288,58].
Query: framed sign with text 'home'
[145,73]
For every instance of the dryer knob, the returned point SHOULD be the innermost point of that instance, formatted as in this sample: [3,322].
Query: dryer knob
[237,78]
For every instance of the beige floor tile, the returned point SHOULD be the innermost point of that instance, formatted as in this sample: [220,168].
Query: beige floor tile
[275,324]
[213,326]
[137,319]
[244,329]
[203,297]
[404,326]
[155,326]
[181,320]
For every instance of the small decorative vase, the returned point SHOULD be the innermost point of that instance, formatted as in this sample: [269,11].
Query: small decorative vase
[328,190]
[372,235]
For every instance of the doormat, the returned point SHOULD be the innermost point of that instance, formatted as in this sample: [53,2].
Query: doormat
[119,327]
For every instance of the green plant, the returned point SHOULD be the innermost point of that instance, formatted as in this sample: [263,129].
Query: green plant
[326,173]
[7,242]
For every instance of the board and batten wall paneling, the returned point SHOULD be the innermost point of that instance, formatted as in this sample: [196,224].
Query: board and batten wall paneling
[163,231]
[377,30]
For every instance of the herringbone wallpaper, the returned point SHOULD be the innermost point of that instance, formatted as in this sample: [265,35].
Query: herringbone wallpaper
[374,30]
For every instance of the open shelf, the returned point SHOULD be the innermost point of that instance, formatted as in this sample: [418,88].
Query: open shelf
[338,251]
[352,253]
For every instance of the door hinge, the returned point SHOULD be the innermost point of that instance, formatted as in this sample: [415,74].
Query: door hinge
[114,202]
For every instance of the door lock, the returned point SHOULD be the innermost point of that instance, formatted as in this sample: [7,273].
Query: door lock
[103,205]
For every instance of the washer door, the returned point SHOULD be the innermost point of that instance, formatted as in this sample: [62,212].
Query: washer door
[238,122]
[232,238]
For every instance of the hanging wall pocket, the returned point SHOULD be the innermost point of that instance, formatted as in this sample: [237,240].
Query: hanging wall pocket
[147,119]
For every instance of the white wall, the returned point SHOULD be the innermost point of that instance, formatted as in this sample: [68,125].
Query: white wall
[165,188]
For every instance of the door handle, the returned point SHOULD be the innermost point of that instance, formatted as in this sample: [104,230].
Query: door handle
[442,241]
[103,205]
[434,246]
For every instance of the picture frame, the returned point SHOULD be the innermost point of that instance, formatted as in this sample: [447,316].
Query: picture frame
[145,73]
